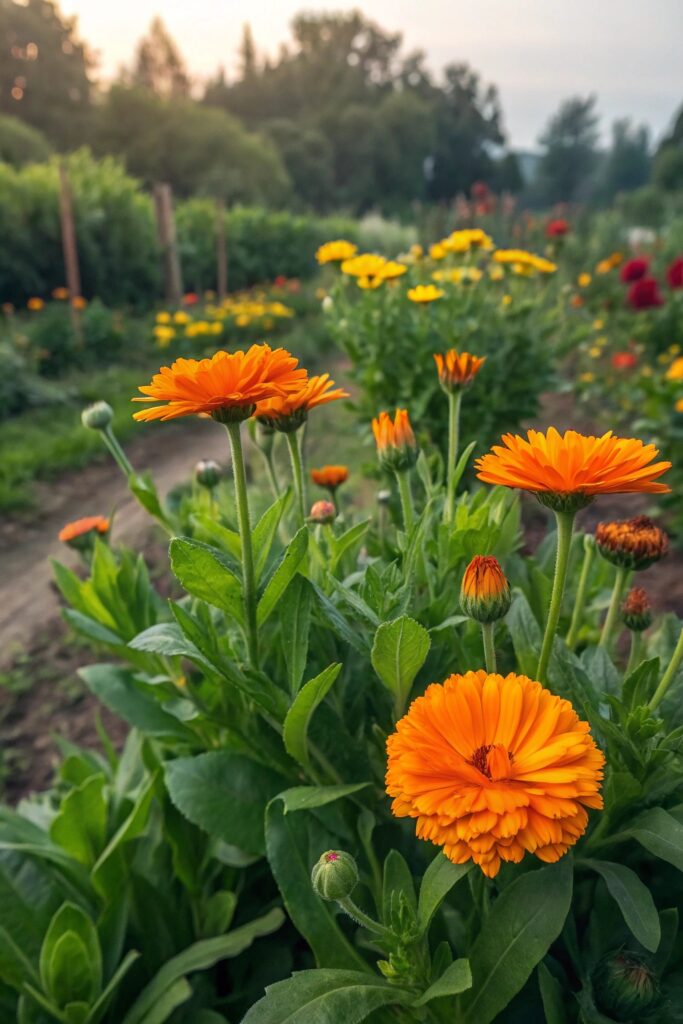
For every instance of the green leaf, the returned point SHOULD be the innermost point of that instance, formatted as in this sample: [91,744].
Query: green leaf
[439,878]
[107,873]
[199,957]
[339,624]
[295,618]
[455,979]
[525,633]
[81,823]
[265,530]
[634,901]
[108,992]
[64,981]
[398,654]
[299,715]
[551,996]
[294,843]
[282,575]
[397,880]
[325,997]
[660,833]
[168,640]
[174,996]
[118,690]
[517,933]
[305,798]
[225,794]
[346,541]
[142,486]
[206,574]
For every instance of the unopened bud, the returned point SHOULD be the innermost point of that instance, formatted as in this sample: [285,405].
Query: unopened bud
[396,445]
[485,591]
[322,512]
[97,416]
[631,543]
[208,473]
[335,876]
[636,611]
[625,985]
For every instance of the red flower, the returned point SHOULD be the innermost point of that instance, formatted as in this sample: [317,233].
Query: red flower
[557,228]
[280,281]
[480,191]
[644,294]
[624,360]
[633,270]
[674,274]
[191,299]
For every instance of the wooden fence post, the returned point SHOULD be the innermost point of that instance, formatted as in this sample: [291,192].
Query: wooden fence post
[166,233]
[221,251]
[70,248]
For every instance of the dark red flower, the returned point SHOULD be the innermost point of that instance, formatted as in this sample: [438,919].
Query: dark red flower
[633,270]
[191,299]
[480,190]
[557,228]
[644,294]
[674,274]
[624,360]
[280,281]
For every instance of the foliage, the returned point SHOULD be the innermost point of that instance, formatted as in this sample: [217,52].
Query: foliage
[20,143]
[569,150]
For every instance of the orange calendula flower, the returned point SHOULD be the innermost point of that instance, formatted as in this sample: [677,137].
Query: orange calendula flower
[567,470]
[493,768]
[35,304]
[457,369]
[81,532]
[288,412]
[424,293]
[336,252]
[330,477]
[60,294]
[675,371]
[631,543]
[485,591]
[395,440]
[227,386]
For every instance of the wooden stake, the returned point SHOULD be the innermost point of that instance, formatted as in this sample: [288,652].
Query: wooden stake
[221,251]
[70,248]
[166,233]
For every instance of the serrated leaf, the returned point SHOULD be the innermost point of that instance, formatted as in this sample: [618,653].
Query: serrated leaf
[206,574]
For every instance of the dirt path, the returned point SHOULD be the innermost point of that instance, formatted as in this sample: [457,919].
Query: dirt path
[28,601]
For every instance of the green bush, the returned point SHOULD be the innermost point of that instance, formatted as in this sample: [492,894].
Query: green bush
[57,347]
[20,143]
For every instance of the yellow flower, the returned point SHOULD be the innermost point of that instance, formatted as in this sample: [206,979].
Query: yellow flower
[587,378]
[417,252]
[598,325]
[242,320]
[603,267]
[507,299]
[369,283]
[163,318]
[679,405]
[163,335]
[496,273]
[181,317]
[372,269]
[594,352]
[424,293]
[520,258]
[583,280]
[458,241]
[437,251]
[336,252]
[675,371]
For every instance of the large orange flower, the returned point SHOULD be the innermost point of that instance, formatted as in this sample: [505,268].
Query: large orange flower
[557,466]
[287,412]
[228,386]
[493,768]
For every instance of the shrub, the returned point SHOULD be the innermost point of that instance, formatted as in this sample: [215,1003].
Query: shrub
[20,143]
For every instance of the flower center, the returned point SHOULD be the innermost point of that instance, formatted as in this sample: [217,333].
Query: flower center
[493,761]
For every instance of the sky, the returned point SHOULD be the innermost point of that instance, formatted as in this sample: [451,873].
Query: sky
[537,52]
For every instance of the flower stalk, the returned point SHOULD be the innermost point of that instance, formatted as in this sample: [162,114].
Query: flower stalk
[487,629]
[248,574]
[294,445]
[580,602]
[669,675]
[613,611]
[565,526]
[406,495]
[454,403]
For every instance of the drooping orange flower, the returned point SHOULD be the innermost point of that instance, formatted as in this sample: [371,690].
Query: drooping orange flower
[493,768]
[395,440]
[330,477]
[288,412]
[226,386]
[457,369]
[485,591]
[570,468]
[81,527]
[631,543]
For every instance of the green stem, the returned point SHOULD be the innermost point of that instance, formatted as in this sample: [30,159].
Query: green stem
[669,675]
[361,918]
[454,400]
[248,575]
[117,452]
[487,629]
[565,525]
[577,613]
[636,653]
[298,474]
[614,608]
[403,479]
[270,472]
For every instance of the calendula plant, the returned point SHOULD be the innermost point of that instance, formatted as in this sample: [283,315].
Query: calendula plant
[466,816]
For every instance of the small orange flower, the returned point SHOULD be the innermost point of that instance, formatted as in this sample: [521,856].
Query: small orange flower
[395,440]
[485,591]
[493,768]
[631,543]
[227,386]
[288,412]
[568,470]
[35,304]
[78,302]
[457,369]
[60,294]
[636,611]
[330,477]
[82,527]
[675,371]
[424,293]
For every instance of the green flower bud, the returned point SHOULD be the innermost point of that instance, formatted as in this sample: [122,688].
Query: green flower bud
[625,985]
[485,592]
[208,473]
[97,416]
[335,876]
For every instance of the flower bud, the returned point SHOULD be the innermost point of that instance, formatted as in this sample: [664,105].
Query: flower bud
[97,416]
[80,534]
[384,496]
[636,611]
[485,591]
[322,512]
[335,876]
[625,985]
[457,370]
[631,543]
[396,445]
[208,473]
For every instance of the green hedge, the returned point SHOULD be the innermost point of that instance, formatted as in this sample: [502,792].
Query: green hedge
[116,234]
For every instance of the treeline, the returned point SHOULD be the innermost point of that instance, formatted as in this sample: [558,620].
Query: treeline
[342,118]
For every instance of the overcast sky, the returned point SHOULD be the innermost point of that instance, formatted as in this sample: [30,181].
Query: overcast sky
[536,51]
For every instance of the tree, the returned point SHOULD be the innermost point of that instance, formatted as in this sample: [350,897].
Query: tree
[627,163]
[667,171]
[308,157]
[20,143]
[570,155]
[44,71]
[159,65]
